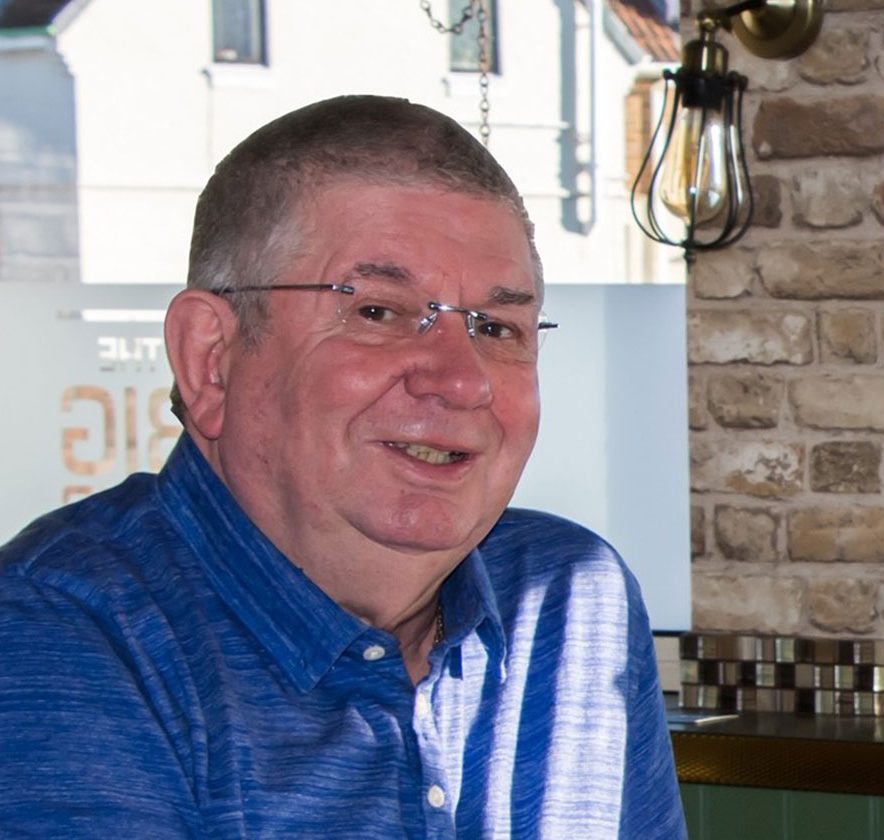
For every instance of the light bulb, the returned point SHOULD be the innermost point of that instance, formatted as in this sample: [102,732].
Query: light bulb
[739,187]
[693,178]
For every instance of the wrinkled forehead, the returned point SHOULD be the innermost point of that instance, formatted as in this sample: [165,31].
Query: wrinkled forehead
[322,184]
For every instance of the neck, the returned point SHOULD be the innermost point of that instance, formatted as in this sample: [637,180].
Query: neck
[396,591]
[417,637]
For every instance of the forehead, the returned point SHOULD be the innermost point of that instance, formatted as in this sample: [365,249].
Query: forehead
[430,232]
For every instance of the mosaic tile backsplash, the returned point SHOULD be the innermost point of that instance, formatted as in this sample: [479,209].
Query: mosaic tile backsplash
[739,673]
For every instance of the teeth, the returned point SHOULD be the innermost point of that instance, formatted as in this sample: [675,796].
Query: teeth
[429,454]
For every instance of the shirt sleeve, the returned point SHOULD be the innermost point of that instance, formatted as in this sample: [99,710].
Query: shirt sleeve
[652,807]
[85,753]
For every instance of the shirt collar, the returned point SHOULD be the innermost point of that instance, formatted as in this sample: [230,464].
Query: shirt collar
[470,605]
[300,626]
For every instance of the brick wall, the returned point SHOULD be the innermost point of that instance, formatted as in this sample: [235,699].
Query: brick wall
[786,352]
[639,128]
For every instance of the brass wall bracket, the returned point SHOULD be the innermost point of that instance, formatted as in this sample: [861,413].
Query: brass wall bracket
[780,28]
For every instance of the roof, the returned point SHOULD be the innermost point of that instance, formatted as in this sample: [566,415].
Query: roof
[648,28]
[22,14]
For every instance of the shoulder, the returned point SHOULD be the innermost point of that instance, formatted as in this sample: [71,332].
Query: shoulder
[546,544]
[85,618]
[89,547]
[528,552]
[90,672]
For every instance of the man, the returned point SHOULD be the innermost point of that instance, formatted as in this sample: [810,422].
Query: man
[318,620]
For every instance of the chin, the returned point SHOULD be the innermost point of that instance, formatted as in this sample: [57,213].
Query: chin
[422,540]
[412,531]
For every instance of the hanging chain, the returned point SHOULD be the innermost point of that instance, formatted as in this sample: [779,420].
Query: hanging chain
[480,10]
[484,64]
[465,14]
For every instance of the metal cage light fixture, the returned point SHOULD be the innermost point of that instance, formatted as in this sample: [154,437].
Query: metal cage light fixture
[699,195]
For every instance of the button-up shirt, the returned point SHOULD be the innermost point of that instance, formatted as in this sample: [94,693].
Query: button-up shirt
[166,672]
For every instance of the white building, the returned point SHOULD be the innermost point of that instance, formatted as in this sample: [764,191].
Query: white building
[113,113]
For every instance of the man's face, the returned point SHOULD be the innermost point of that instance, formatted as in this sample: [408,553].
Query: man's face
[334,434]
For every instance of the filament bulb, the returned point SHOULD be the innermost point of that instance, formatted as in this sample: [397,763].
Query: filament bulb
[693,179]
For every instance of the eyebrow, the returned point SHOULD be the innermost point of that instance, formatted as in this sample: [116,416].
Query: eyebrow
[505,295]
[389,271]
[501,295]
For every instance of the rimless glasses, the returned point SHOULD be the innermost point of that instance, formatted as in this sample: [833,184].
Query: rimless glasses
[382,312]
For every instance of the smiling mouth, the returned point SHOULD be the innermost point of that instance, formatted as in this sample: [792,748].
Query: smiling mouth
[428,454]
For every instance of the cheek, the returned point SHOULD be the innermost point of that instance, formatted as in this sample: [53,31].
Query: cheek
[326,403]
[517,404]
[349,380]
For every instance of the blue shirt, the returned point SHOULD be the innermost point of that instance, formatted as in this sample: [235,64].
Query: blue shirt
[165,672]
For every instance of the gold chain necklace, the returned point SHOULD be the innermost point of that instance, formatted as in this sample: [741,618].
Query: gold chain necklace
[440,625]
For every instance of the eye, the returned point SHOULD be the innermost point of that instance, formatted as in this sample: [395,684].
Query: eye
[378,313]
[498,330]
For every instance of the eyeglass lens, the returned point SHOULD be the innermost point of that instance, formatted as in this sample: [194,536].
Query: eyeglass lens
[379,312]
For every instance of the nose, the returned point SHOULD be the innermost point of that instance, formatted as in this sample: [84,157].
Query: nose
[447,365]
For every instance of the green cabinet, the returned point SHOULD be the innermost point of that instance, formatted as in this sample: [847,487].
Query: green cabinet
[724,812]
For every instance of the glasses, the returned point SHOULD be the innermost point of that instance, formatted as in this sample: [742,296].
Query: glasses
[383,312]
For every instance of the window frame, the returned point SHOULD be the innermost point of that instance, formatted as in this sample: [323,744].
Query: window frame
[469,36]
[228,52]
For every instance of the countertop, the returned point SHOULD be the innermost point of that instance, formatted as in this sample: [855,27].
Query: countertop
[779,750]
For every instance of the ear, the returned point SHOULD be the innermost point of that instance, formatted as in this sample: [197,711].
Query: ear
[200,331]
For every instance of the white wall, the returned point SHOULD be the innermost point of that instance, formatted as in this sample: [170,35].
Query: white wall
[38,198]
[141,134]
[612,452]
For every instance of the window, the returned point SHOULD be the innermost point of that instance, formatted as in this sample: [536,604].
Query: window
[238,30]
[465,46]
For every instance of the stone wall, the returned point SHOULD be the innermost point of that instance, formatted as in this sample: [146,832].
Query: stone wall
[786,352]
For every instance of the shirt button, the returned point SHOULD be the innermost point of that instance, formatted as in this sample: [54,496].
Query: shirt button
[436,796]
[422,705]
[373,653]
